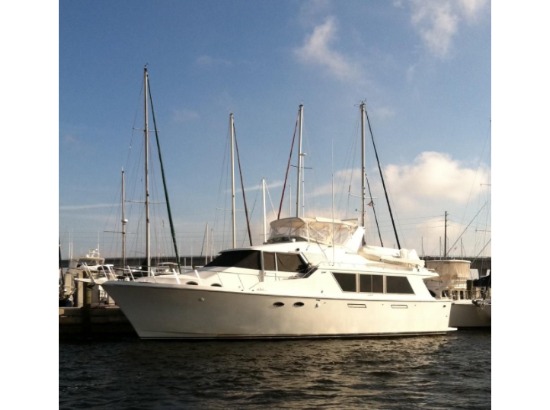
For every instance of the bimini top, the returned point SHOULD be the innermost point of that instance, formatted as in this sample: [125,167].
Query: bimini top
[326,231]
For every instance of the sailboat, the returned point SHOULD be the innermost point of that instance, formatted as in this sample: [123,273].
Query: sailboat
[147,268]
[91,268]
[312,278]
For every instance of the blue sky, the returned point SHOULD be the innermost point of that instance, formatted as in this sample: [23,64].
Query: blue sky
[422,67]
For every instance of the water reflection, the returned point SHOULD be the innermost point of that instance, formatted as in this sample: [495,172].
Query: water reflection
[432,372]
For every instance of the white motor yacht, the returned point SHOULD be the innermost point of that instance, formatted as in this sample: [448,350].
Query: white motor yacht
[313,278]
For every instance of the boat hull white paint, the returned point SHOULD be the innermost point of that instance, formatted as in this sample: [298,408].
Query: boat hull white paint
[464,313]
[201,312]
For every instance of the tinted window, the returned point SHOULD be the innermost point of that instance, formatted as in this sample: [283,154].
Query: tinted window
[289,262]
[269,261]
[239,259]
[346,281]
[398,284]
[371,283]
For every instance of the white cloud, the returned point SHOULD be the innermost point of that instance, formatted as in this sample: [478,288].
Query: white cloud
[432,181]
[269,185]
[421,193]
[317,50]
[437,21]
[471,8]
[433,176]
[258,187]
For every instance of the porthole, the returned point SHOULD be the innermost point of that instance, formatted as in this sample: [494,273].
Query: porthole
[216,285]
[191,283]
[278,304]
[299,304]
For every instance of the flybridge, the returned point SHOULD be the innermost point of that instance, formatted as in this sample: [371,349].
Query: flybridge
[332,232]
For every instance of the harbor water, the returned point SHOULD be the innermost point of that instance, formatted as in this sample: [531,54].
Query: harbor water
[451,371]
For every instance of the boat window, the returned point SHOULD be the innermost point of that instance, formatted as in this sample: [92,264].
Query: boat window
[347,281]
[247,259]
[284,262]
[371,283]
[269,261]
[289,262]
[398,284]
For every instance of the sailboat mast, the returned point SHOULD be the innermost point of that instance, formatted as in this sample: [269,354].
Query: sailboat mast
[123,221]
[146,137]
[174,241]
[263,204]
[205,244]
[208,246]
[233,217]
[300,163]
[363,170]
[445,238]
[383,184]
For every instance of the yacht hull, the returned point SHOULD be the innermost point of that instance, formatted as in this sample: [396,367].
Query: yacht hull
[157,311]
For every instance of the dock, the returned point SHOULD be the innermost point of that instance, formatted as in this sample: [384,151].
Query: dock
[101,321]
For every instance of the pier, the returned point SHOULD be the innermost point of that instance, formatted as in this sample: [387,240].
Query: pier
[93,321]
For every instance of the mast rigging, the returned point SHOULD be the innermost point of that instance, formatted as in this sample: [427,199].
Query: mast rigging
[382,178]
[172,231]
